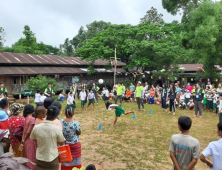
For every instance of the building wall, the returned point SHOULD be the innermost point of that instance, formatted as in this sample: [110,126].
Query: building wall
[7,82]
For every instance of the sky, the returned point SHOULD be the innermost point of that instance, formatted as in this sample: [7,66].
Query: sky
[55,20]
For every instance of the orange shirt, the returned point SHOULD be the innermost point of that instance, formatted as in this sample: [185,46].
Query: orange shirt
[128,93]
[152,93]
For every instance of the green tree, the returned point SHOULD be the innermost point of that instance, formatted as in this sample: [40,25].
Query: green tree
[204,36]
[67,48]
[152,16]
[1,37]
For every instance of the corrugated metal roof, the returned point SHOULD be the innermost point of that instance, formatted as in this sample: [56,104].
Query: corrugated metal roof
[39,70]
[34,59]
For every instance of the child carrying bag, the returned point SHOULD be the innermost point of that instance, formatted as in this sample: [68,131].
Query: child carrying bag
[64,154]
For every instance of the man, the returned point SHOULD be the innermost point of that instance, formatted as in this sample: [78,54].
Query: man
[214,149]
[199,94]
[73,87]
[119,90]
[139,96]
[3,90]
[95,91]
[48,91]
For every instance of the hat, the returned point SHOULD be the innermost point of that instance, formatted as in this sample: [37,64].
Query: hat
[16,108]
[139,82]
[3,115]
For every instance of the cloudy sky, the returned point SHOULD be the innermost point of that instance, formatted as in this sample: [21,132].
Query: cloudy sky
[54,20]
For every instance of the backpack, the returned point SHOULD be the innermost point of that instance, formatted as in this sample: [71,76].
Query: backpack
[115,93]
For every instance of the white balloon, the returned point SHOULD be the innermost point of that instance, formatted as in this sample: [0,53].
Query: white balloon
[100,81]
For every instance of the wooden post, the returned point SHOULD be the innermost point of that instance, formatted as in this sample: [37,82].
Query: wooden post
[20,83]
[28,99]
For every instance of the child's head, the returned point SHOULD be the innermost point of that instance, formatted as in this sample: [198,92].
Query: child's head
[181,101]
[40,104]
[61,92]
[187,91]
[91,91]
[208,87]
[41,93]
[91,167]
[107,104]
[57,104]
[69,112]
[219,129]
[209,92]
[191,101]
[52,112]
[151,89]
[38,91]
[184,123]
[70,93]
[28,109]
[181,92]
[82,89]
[48,102]
[40,112]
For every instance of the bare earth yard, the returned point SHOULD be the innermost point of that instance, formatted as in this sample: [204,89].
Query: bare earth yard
[136,144]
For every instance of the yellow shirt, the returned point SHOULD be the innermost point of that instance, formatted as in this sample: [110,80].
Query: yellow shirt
[47,136]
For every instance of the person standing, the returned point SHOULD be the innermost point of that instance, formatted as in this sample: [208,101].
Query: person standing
[209,84]
[164,97]
[82,96]
[132,87]
[172,97]
[219,89]
[91,99]
[73,87]
[199,94]
[95,91]
[49,91]
[3,90]
[139,97]
[189,87]
[79,89]
[120,90]
[146,88]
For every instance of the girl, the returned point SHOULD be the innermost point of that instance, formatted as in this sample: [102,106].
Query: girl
[215,98]
[71,102]
[147,95]
[182,96]
[209,101]
[71,131]
[172,97]
[205,95]
[152,95]
[187,96]
[158,102]
[118,110]
[28,144]
[16,125]
[164,97]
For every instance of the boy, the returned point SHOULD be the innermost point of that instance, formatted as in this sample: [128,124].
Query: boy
[214,149]
[91,98]
[70,101]
[215,98]
[61,97]
[119,110]
[190,105]
[37,97]
[82,96]
[184,149]
[187,96]
[42,98]
[182,105]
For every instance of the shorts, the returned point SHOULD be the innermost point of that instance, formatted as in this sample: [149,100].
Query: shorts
[119,111]
[73,105]
[91,101]
[83,102]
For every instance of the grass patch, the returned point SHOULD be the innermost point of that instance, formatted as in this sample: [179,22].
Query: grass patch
[141,143]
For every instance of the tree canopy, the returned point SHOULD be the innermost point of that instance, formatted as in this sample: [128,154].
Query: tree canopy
[1,37]
[152,16]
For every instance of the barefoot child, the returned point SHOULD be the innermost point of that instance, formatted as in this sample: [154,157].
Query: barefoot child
[119,110]
[70,101]
[82,96]
[209,105]
[91,98]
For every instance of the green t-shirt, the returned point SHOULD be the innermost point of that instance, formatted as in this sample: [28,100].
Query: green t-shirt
[119,90]
[139,90]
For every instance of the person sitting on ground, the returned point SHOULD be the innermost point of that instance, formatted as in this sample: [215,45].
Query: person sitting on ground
[214,149]
[48,136]
[190,105]
[118,110]
[152,95]
[182,105]
[61,97]
[128,95]
[184,149]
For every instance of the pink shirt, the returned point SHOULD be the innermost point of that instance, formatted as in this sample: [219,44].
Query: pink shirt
[57,123]
[189,88]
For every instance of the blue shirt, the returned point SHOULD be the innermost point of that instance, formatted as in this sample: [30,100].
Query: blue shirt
[214,149]
[91,96]
[178,89]
[132,87]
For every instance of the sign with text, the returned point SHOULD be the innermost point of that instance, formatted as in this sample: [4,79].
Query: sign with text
[75,79]
[27,92]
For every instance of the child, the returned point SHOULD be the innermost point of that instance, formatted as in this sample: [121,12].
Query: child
[182,96]
[42,98]
[82,96]
[215,98]
[214,150]
[151,98]
[103,94]
[167,102]
[40,114]
[205,95]
[147,95]
[91,98]
[184,149]
[209,100]
[158,102]
[118,110]
[128,95]
[187,96]
[190,105]
[220,108]
[182,105]
[1,96]
[62,97]
[70,101]
[37,97]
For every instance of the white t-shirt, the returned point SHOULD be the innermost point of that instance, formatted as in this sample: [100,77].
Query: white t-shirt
[187,95]
[190,104]
[107,93]
[220,105]
[182,97]
[82,95]
[112,105]
[147,95]
[70,100]
[2,98]
[216,96]
[60,95]
[42,98]
[37,98]
[210,97]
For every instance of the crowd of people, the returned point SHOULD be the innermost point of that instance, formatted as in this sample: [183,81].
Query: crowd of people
[39,132]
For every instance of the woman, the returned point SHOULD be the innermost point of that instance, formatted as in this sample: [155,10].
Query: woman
[172,97]
[154,89]
[178,89]
[48,136]
[16,128]
[4,125]
[28,144]
[164,97]
[189,87]
[152,96]
[71,132]
[146,88]
[128,95]
[219,89]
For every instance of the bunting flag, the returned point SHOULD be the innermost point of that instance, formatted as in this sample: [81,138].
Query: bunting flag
[134,75]
[200,80]
[168,77]
[141,73]
[200,68]
[183,79]
[148,72]
[217,66]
